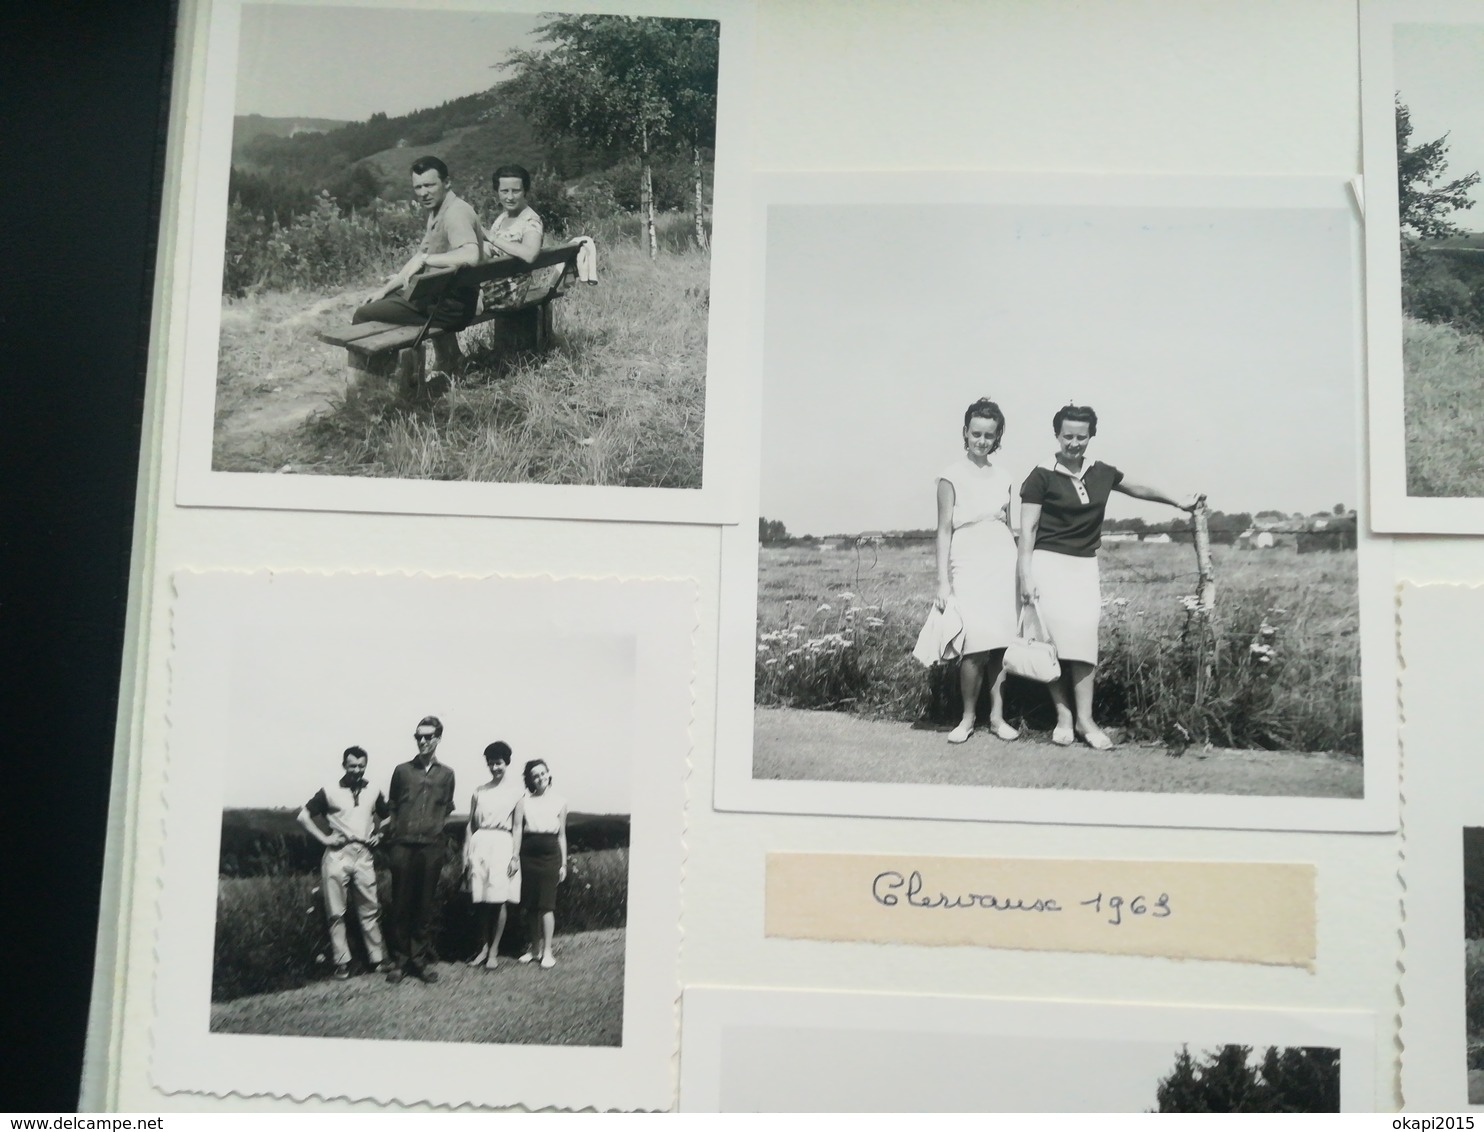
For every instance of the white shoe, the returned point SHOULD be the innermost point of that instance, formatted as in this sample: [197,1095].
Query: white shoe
[961,733]
[547,961]
[526,958]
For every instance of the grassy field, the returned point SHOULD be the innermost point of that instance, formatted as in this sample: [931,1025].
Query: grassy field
[836,629]
[271,933]
[619,400]
[579,1002]
[1444,410]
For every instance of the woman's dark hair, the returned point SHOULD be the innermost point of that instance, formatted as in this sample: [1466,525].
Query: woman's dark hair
[1082,413]
[987,410]
[498,752]
[530,768]
[511,171]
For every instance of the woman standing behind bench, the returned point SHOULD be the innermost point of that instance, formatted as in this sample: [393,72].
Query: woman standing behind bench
[1061,521]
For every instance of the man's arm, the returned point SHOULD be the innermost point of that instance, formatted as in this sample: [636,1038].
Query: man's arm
[307,812]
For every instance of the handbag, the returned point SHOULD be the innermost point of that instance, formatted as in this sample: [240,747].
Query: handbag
[1032,655]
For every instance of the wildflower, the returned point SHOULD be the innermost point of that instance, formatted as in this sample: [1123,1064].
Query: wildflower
[1120,602]
[762,648]
[875,622]
[823,609]
[846,596]
[770,662]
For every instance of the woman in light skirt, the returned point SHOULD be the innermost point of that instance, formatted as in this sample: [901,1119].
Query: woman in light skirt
[1061,520]
[492,852]
[976,563]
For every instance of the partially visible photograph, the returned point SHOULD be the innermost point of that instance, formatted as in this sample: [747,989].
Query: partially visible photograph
[832,1051]
[1473,958]
[492,266]
[1439,104]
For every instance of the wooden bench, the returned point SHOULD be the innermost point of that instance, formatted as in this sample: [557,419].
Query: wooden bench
[389,349]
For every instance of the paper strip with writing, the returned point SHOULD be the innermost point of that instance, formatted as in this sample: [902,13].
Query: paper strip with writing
[1259,912]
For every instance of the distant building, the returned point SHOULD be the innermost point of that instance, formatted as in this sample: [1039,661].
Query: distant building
[1161,537]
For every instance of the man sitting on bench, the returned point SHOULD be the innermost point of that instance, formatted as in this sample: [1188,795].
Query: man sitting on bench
[453,239]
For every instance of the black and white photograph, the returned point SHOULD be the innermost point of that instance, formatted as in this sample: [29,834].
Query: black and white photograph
[1423,90]
[1473,957]
[491,270]
[838,1052]
[1070,502]
[418,841]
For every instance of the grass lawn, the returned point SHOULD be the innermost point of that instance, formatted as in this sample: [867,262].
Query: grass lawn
[1444,410]
[579,1002]
[618,400]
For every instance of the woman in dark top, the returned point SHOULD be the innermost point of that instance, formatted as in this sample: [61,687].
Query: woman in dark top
[1061,520]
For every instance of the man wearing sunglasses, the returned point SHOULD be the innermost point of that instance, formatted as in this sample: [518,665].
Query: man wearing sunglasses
[420,800]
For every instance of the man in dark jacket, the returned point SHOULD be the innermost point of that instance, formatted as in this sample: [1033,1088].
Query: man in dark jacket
[420,799]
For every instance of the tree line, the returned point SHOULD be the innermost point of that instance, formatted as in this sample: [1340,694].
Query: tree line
[630,97]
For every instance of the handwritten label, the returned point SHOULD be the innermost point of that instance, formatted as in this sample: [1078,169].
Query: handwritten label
[1255,912]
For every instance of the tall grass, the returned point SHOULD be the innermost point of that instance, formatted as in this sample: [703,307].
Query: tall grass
[836,631]
[1444,371]
[271,933]
[619,400]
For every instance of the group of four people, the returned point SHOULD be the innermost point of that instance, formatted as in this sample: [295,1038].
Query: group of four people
[515,852]
[1053,569]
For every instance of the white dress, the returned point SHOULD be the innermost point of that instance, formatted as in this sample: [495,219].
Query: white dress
[491,844]
[981,555]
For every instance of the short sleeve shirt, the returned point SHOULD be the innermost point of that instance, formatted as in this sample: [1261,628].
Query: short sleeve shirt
[452,226]
[1071,507]
[351,809]
[524,228]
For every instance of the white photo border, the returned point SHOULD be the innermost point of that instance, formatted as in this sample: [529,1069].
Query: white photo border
[1392,509]
[193,296]
[710,1011]
[1443,793]
[737,789]
[187,1057]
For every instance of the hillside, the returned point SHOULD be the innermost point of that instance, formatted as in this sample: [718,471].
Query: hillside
[249,127]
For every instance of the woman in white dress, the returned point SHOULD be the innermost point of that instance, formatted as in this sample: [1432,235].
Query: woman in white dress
[492,852]
[542,814]
[976,563]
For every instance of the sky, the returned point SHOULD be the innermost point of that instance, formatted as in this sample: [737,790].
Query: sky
[299,698]
[770,1069]
[349,63]
[1218,347]
[1439,73]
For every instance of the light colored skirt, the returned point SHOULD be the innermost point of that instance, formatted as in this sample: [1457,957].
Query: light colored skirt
[1071,602]
[981,569]
[489,864]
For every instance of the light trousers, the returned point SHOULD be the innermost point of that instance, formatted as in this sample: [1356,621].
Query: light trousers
[350,871]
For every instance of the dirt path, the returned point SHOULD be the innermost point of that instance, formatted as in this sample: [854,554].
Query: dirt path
[579,1002]
[272,373]
[822,746]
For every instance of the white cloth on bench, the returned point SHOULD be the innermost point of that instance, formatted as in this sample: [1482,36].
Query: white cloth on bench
[587,259]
